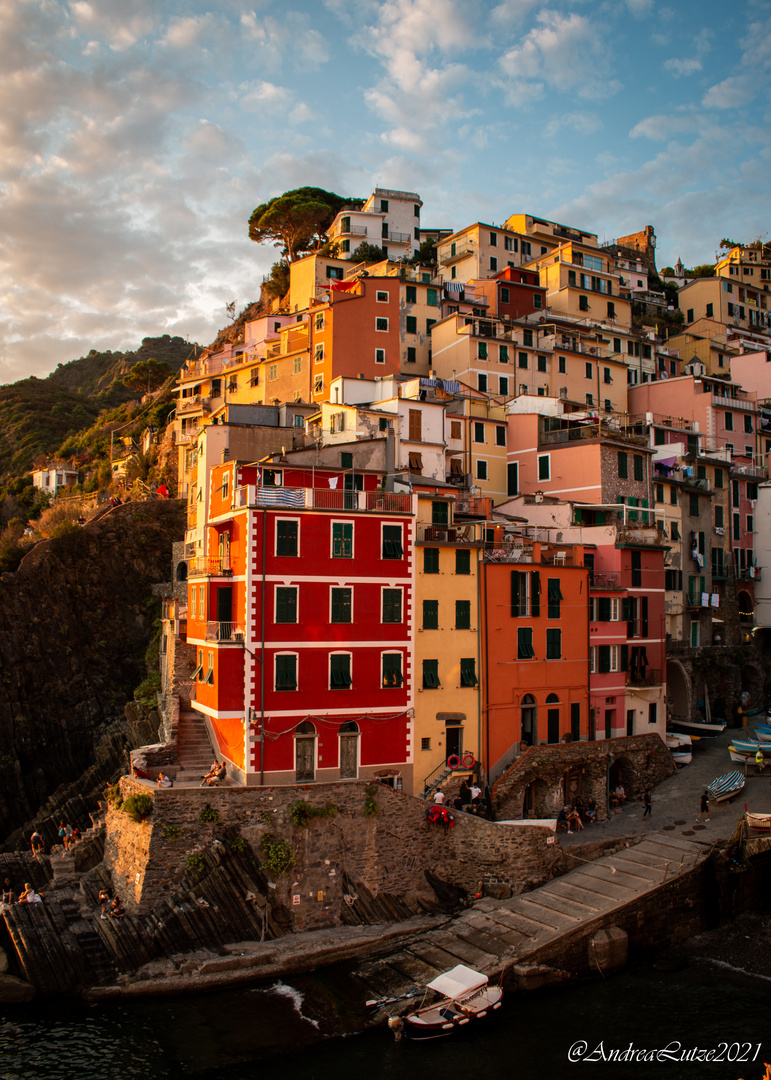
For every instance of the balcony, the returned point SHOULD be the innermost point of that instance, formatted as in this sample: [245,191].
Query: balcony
[225,631]
[399,237]
[447,534]
[604,581]
[209,566]
[385,502]
[648,677]
[451,253]
[353,230]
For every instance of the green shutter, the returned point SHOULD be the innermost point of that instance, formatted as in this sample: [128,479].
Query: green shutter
[624,657]
[431,674]
[430,614]
[603,609]
[392,670]
[603,658]
[535,593]
[468,675]
[514,594]
[462,614]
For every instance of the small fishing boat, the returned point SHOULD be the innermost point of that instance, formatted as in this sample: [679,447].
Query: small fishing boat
[758,822]
[741,758]
[763,732]
[751,746]
[460,996]
[680,748]
[725,787]
[700,727]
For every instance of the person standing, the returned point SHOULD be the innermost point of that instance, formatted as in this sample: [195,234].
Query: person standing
[37,844]
[439,797]
[704,807]
[647,803]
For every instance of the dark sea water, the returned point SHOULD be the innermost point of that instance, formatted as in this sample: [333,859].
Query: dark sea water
[281,1030]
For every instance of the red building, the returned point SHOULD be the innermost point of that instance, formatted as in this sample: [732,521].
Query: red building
[301,615]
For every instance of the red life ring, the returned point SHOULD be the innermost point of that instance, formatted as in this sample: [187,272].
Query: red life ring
[469,761]
[453,761]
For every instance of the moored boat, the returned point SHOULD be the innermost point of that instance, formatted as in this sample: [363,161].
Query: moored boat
[703,729]
[741,758]
[725,787]
[461,995]
[758,822]
[751,746]
[680,748]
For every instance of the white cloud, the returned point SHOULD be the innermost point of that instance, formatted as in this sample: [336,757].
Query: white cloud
[731,93]
[583,123]
[640,8]
[680,67]
[186,33]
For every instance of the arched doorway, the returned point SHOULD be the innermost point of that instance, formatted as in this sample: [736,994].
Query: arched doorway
[349,750]
[529,720]
[553,718]
[305,752]
[678,690]
[746,606]
[182,572]
[622,772]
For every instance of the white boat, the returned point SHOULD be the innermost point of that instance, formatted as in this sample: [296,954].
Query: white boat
[460,996]
[701,728]
[725,787]
[740,757]
[763,733]
[680,747]
[751,746]
[758,822]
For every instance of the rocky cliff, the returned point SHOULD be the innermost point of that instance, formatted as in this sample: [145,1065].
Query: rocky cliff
[76,619]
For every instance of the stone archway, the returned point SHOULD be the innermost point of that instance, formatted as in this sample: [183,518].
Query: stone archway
[746,606]
[623,772]
[679,690]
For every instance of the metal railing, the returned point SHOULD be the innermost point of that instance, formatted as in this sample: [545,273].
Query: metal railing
[648,677]
[447,534]
[209,565]
[225,631]
[604,581]
[386,502]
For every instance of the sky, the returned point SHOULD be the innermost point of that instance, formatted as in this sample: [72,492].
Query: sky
[137,136]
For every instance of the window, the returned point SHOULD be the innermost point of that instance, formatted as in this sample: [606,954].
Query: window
[611,309]
[500,435]
[380,356]
[346,460]
[287,537]
[481,350]
[623,470]
[718,517]
[638,466]
[562,364]
[544,467]
[522,360]
[430,560]
[318,354]
[689,315]
[432,297]
[273,372]
[392,542]
[298,366]
[481,470]
[286,671]
[752,490]
[675,531]
[553,643]
[636,570]
[429,324]
[693,505]
[462,614]
[340,605]
[571,277]
[335,272]
[462,561]
[340,671]
[286,604]
[590,399]
[750,523]
[382,297]
[479,432]
[505,295]
[482,383]
[673,495]
[392,606]
[493,263]
[318,384]
[431,675]
[430,614]
[493,239]
[503,385]
[392,670]
[583,303]
[659,492]
[468,671]
[527,337]
[411,294]
[381,324]
[729,421]
[525,643]
[415,425]
[512,478]
[710,311]
[554,594]
[412,324]
[503,354]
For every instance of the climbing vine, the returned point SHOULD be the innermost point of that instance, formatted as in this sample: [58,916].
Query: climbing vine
[278,856]
[208,815]
[370,804]
[302,813]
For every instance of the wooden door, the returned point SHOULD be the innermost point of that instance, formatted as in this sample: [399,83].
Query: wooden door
[305,759]
[349,757]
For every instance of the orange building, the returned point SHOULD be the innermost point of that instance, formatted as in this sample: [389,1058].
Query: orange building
[535,622]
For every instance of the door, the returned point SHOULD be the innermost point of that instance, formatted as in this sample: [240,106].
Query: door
[630,721]
[349,757]
[305,755]
[224,612]
[352,484]
[553,725]
[609,716]
[454,741]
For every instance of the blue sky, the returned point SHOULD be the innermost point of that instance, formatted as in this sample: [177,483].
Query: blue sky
[136,137]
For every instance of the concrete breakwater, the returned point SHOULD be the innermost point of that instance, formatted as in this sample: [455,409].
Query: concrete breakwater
[205,908]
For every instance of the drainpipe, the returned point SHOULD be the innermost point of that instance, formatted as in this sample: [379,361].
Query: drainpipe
[479,657]
[262,651]
[487,676]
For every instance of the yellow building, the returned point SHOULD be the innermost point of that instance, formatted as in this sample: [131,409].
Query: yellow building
[447,666]
[725,300]
[581,282]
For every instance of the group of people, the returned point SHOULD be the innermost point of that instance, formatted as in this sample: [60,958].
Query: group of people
[575,817]
[216,774]
[162,780]
[112,908]
[28,895]
[469,798]
[68,837]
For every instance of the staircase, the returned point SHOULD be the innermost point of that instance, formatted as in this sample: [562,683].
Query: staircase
[194,748]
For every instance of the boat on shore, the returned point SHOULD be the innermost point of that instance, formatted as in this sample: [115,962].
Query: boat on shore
[460,996]
[725,787]
[751,746]
[740,757]
[704,729]
[757,822]
[680,747]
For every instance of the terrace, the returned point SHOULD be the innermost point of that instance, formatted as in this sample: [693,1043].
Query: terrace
[386,502]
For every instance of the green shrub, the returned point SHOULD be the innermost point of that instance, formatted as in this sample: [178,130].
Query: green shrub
[208,815]
[147,691]
[138,807]
[171,832]
[278,857]
[302,813]
[370,805]
[114,796]
[195,864]
[239,845]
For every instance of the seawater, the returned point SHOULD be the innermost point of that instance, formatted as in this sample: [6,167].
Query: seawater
[297,1030]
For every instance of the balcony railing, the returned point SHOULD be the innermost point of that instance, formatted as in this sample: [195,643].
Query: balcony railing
[225,631]
[649,677]
[386,502]
[508,553]
[447,534]
[209,566]
[604,581]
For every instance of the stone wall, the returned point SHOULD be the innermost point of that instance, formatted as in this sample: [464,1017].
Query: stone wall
[177,663]
[547,777]
[348,867]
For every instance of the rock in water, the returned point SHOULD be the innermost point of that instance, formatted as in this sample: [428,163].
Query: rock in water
[13,990]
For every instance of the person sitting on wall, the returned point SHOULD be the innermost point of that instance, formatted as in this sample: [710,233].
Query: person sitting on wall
[29,895]
[164,781]
[574,821]
[562,819]
[211,774]
[617,795]
[590,813]
[578,804]
[117,910]
[7,897]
